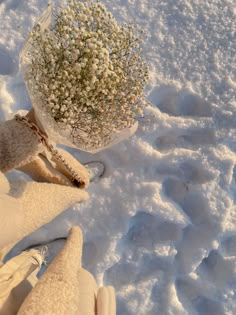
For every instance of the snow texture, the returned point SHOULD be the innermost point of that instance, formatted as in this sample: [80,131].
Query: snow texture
[160,226]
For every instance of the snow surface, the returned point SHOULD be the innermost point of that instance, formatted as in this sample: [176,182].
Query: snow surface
[161,225]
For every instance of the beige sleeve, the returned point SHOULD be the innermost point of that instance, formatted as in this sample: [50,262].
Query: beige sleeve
[42,202]
[57,291]
[18,145]
[29,205]
[68,289]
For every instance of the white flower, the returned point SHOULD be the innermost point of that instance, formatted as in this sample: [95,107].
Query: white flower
[88,71]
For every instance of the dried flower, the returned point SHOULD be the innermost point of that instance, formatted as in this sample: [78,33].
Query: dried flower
[88,73]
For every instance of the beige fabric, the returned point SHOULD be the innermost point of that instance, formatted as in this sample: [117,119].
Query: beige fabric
[68,289]
[65,288]
[17,277]
[55,292]
[20,149]
[86,293]
[29,205]
[4,184]
[18,145]
[26,206]
[106,301]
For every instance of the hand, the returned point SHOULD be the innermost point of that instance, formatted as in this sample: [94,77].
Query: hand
[21,149]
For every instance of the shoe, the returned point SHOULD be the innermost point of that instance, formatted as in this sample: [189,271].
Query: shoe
[96,170]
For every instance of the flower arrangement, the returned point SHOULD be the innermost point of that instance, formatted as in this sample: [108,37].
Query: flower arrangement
[87,73]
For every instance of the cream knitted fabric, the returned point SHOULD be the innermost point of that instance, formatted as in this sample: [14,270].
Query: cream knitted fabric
[29,205]
[68,289]
[65,288]
[18,145]
[20,149]
[57,291]
[17,277]
[24,207]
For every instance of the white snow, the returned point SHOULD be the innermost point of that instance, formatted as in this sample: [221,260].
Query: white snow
[161,225]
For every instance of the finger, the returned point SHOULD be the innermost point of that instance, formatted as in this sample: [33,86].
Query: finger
[74,164]
[19,145]
[106,301]
[42,171]
[55,171]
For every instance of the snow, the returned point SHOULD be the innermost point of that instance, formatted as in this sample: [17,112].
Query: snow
[160,226]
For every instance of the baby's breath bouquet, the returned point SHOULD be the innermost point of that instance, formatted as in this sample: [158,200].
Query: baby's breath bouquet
[85,74]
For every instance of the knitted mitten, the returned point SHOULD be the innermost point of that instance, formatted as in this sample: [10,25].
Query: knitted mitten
[21,149]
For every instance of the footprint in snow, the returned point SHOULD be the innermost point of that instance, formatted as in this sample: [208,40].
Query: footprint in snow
[184,189]
[187,106]
[191,295]
[151,266]
[180,103]
[228,246]
[193,247]
[198,236]
[217,269]
[189,139]
[121,274]
[146,231]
